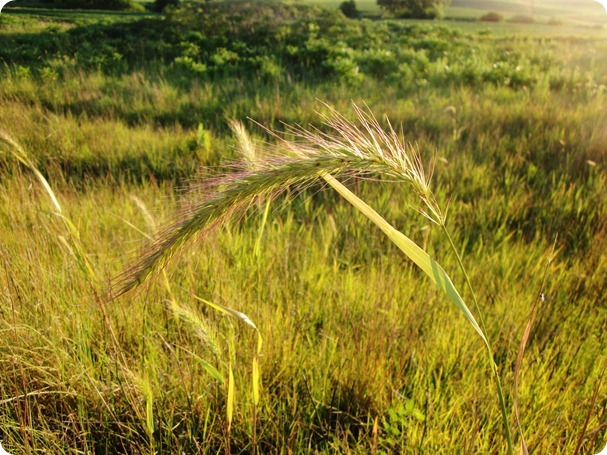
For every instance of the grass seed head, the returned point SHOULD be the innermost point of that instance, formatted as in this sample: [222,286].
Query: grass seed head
[349,149]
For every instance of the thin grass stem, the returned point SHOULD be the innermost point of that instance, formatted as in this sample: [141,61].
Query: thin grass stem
[494,368]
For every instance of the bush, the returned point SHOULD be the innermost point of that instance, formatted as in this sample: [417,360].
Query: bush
[492,17]
[413,9]
[522,19]
[348,9]
[250,21]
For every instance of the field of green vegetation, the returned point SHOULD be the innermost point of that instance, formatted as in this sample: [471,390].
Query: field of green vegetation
[349,348]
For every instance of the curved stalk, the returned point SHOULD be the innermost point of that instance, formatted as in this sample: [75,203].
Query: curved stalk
[494,369]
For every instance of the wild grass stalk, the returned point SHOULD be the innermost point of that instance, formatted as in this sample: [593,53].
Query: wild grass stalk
[523,346]
[346,149]
[248,152]
[72,240]
[74,245]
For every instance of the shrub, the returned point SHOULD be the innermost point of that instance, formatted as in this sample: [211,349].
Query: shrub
[348,9]
[491,17]
[378,63]
[522,19]
[246,20]
[413,9]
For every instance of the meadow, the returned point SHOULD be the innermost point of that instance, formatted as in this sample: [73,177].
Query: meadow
[360,352]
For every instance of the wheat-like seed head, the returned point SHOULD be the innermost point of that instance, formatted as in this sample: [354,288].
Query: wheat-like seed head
[345,149]
[246,147]
[367,148]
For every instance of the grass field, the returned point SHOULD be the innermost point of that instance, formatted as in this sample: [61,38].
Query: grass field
[360,352]
[576,13]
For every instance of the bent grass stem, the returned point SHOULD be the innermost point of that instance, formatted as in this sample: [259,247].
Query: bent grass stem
[494,369]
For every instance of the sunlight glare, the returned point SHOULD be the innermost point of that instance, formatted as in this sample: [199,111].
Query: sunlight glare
[604,5]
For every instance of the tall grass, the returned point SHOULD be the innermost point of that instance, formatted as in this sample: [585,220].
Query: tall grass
[316,306]
[361,354]
[347,149]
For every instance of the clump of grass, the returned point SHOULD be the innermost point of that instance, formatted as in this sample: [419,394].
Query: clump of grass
[522,19]
[346,150]
[73,243]
[69,236]
[492,16]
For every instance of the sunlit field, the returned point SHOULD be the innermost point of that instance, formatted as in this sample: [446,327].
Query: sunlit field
[289,322]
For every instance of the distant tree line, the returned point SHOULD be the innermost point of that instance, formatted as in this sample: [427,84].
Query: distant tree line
[418,9]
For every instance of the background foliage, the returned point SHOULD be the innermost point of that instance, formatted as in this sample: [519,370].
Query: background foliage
[413,9]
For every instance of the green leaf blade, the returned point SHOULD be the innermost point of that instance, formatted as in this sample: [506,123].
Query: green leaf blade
[436,273]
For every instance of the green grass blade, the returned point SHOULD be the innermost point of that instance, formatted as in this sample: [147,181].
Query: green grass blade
[230,312]
[256,375]
[215,374]
[262,225]
[436,273]
[230,399]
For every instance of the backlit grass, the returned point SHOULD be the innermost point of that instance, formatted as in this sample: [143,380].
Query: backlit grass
[361,352]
